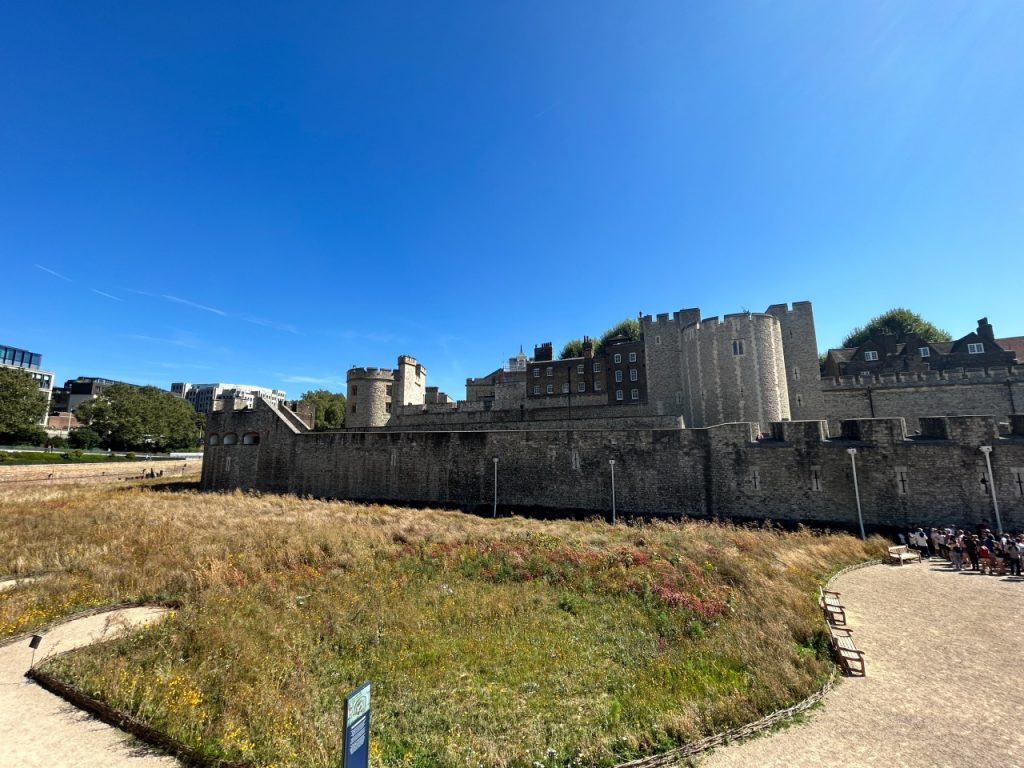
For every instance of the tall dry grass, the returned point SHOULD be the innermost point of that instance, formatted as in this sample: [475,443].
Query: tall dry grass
[489,642]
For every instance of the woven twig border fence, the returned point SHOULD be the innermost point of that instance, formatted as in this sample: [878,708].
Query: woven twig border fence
[672,757]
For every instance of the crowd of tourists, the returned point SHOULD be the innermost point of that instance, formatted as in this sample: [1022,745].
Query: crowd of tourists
[998,554]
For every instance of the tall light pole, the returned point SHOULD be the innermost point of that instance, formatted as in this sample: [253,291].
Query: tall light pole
[494,512]
[987,450]
[856,489]
[611,463]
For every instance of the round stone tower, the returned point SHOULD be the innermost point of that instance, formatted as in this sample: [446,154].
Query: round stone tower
[734,370]
[368,401]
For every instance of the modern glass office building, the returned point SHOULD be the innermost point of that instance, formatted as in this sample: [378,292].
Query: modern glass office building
[12,357]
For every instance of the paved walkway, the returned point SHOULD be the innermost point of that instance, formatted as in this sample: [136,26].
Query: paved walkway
[40,729]
[945,685]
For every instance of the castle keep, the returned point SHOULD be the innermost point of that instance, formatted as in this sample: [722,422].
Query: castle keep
[701,416]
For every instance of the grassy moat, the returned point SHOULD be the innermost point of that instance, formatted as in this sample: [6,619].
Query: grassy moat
[507,642]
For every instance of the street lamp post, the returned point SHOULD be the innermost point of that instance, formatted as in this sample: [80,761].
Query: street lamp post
[856,489]
[987,450]
[494,511]
[611,463]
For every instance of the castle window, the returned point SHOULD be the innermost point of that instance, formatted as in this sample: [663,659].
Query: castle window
[536,373]
[354,390]
[353,407]
[799,400]
[618,359]
[581,387]
[815,478]
[580,369]
[634,394]
[230,438]
[536,389]
[387,407]
[679,398]
[737,347]
[565,388]
[924,351]
[871,356]
[1017,480]
[632,357]
[618,376]
[901,480]
[618,394]
[755,479]
[597,367]
[387,389]
[633,374]
[657,340]
[575,459]
[214,439]
[549,371]
[796,374]
[251,438]
[975,349]
[551,389]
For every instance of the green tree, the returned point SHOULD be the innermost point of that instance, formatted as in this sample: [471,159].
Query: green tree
[22,406]
[330,408]
[83,437]
[146,418]
[900,322]
[573,348]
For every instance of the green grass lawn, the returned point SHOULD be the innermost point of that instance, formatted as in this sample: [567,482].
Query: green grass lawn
[488,642]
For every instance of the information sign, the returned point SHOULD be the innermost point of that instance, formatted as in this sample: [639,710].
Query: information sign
[355,747]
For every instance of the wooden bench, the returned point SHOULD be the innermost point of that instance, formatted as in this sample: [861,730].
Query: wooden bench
[831,607]
[847,654]
[903,554]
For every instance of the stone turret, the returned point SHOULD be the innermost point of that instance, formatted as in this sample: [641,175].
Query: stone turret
[410,382]
[369,397]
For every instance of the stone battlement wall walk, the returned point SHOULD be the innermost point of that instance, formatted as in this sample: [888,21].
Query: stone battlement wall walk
[798,474]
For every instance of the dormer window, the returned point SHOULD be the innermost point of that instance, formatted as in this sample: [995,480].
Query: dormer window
[975,349]
[871,356]
[924,351]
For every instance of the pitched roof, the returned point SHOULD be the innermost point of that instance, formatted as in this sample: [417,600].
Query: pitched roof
[1013,344]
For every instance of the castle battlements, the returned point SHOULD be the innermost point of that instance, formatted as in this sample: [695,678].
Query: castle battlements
[370,373]
[950,377]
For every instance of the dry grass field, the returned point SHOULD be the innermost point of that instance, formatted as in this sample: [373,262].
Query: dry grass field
[506,642]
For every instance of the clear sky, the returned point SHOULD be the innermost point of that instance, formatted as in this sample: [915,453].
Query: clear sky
[272,193]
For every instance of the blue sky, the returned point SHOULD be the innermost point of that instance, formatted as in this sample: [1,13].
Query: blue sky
[270,194]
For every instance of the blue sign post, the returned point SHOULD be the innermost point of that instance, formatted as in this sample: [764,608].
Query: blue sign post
[355,747]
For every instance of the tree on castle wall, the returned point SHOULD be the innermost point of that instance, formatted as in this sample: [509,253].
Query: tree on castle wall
[899,322]
[630,328]
[330,408]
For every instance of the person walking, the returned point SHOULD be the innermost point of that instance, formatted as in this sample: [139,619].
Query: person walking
[1014,552]
[956,553]
[971,546]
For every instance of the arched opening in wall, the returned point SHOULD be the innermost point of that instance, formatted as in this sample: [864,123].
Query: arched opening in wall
[230,438]
[251,438]
[213,439]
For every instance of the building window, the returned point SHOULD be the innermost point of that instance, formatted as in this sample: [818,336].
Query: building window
[580,369]
[536,373]
[618,359]
[597,367]
[251,438]
[549,371]
[975,349]
[618,394]
[871,356]
[214,439]
[536,389]
[551,389]
[633,374]
[901,480]
[924,351]
[796,374]
[632,357]
[597,386]
[230,438]
[755,479]
[737,347]
[565,388]
[355,390]
[634,394]
[799,400]
[387,407]
[581,387]
[657,340]
[618,376]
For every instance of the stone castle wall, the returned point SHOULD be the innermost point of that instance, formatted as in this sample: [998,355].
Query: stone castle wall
[734,371]
[997,391]
[797,475]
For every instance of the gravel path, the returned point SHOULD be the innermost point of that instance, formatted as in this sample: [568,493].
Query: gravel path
[40,729]
[943,685]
